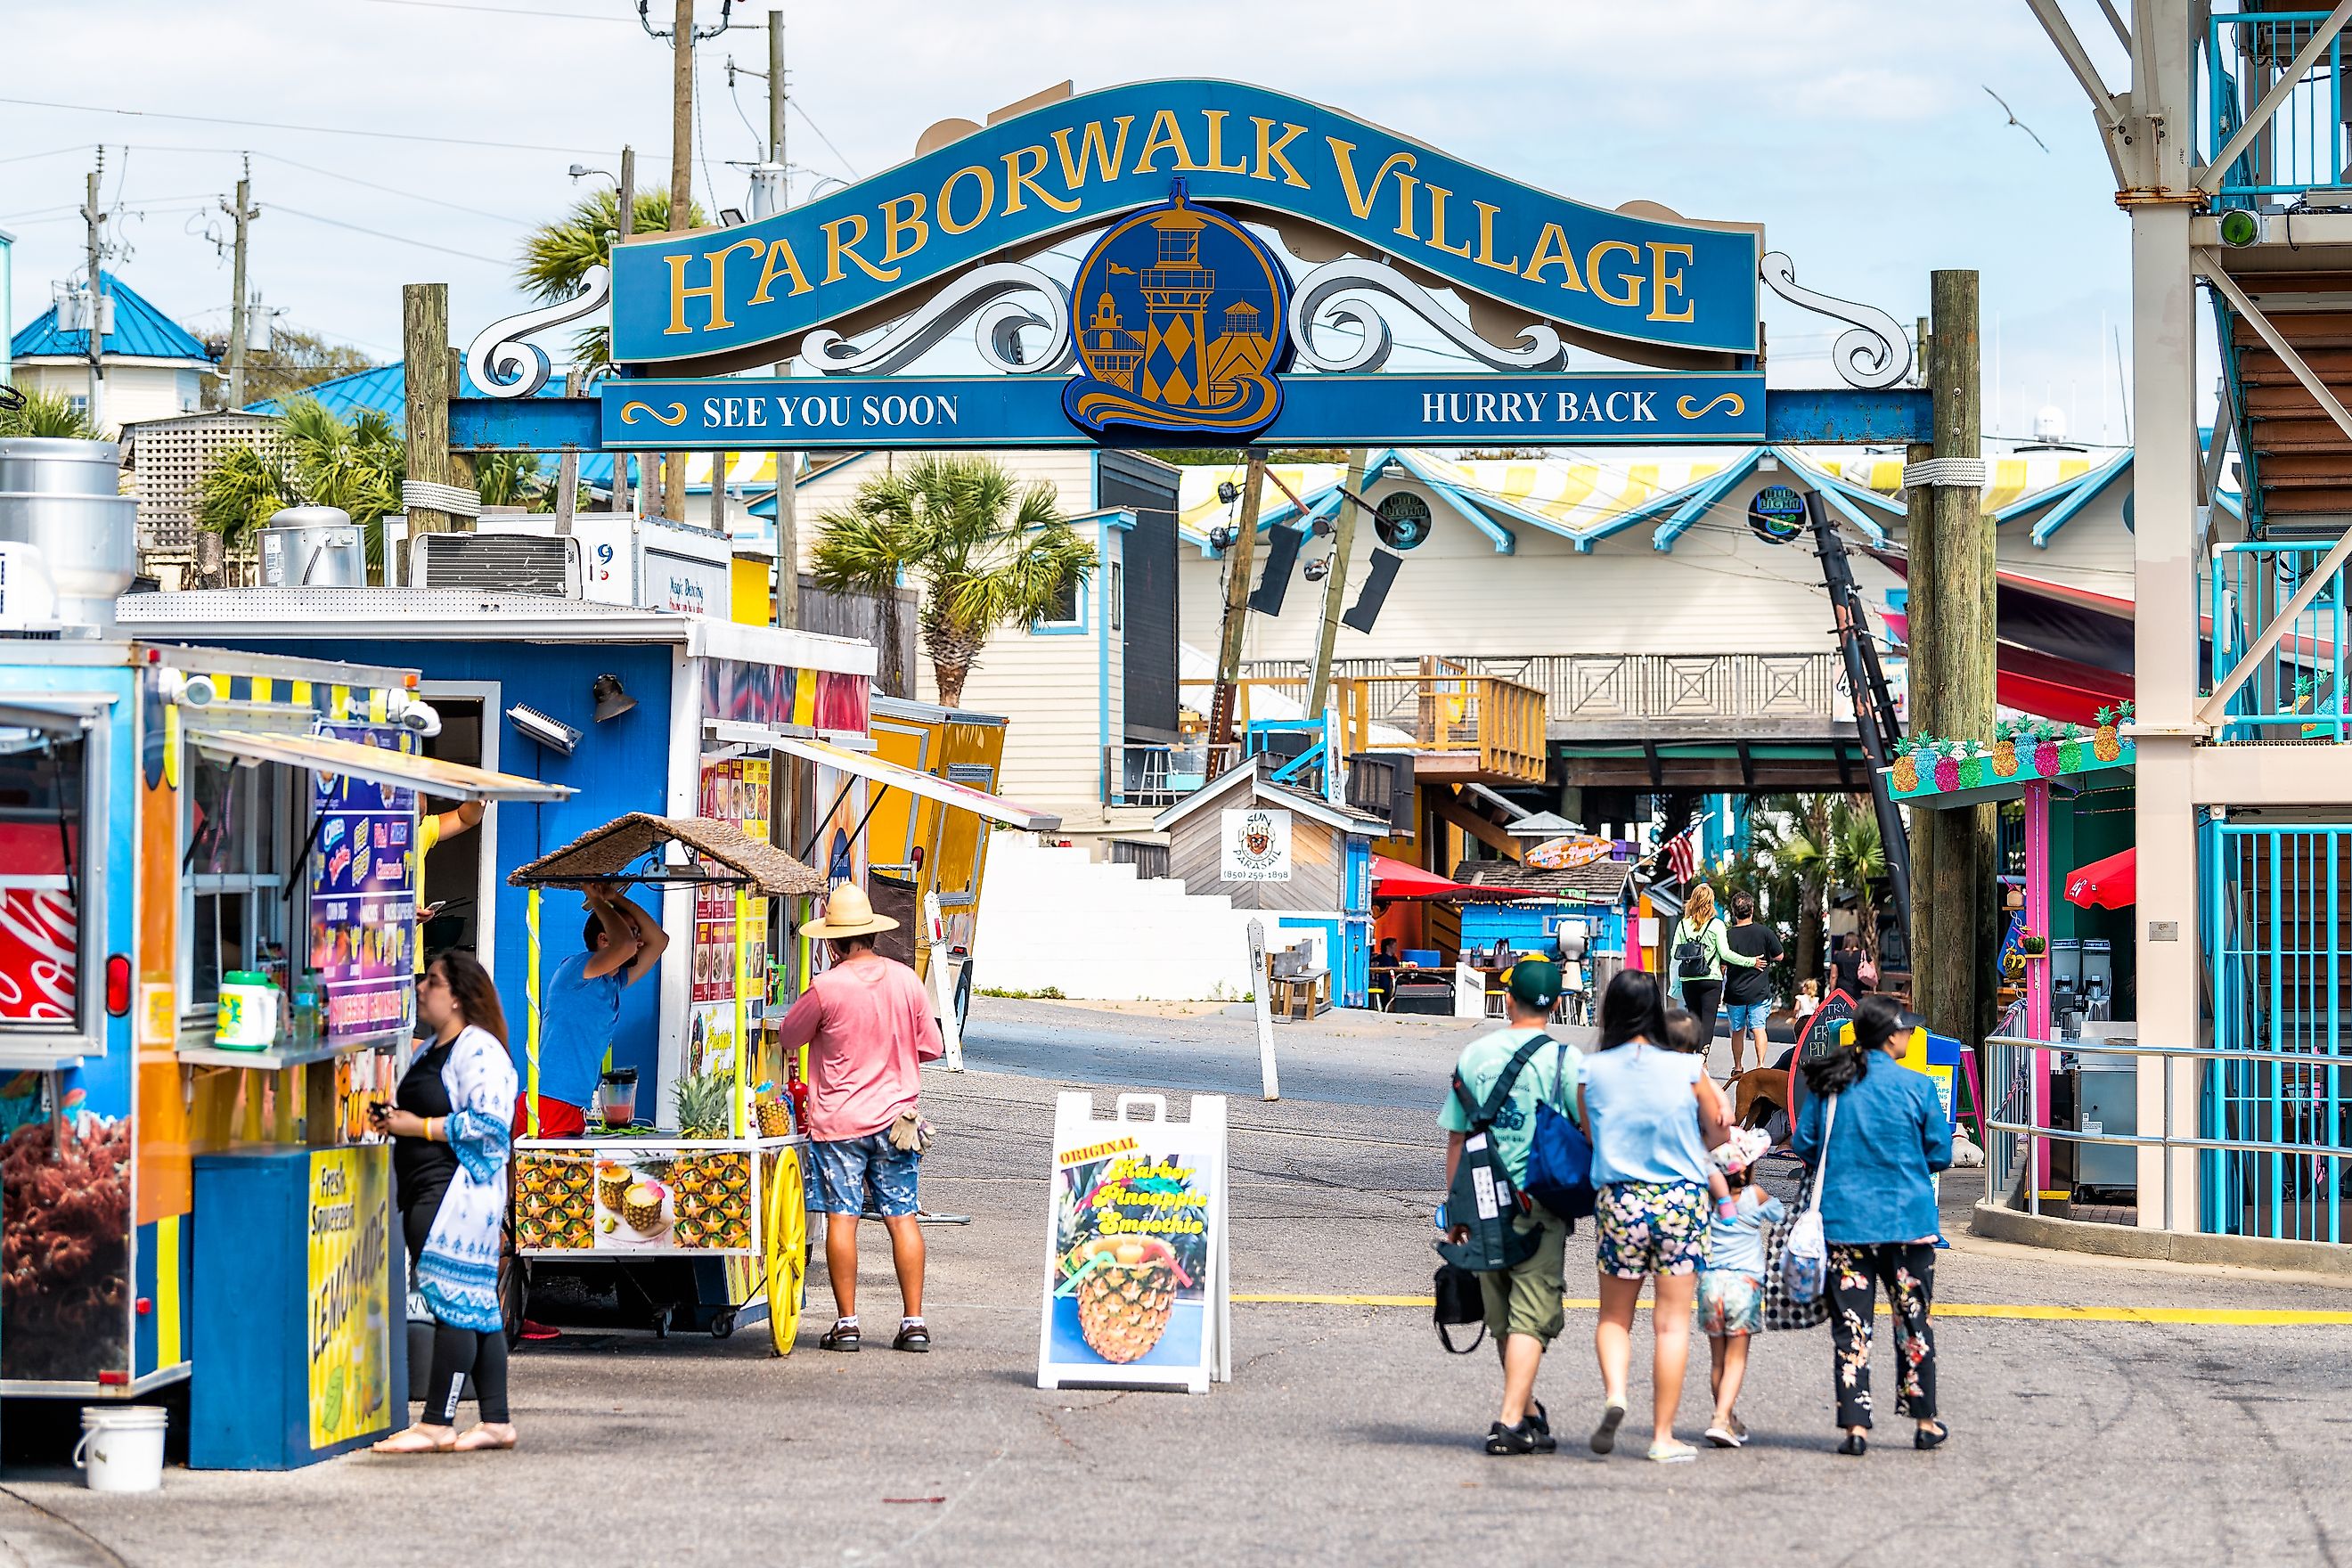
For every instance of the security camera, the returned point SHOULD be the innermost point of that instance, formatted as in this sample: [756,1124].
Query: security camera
[191,690]
[421,718]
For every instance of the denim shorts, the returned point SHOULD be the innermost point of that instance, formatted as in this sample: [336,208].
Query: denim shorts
[1745,1016]
[865,1175]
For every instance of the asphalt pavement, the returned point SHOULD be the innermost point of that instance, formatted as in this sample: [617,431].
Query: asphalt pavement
[2082,1433]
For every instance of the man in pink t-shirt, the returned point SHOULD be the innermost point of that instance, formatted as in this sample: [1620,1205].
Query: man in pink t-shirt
[868,1027]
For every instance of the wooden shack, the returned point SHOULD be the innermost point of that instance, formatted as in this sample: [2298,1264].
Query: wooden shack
[1307,861]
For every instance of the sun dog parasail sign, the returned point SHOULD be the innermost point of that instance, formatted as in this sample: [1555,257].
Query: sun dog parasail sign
[1183,321]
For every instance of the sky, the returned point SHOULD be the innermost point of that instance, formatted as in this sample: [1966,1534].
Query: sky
[1862,135]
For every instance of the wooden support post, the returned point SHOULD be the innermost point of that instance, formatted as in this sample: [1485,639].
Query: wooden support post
[425,353]
[1335,584]
[1238,559]
[1952,681]
[461,463]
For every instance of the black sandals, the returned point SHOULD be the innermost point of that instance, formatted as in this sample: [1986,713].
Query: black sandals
[842,1336]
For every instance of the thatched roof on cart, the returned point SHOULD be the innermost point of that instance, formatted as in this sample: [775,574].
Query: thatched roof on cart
[629,845]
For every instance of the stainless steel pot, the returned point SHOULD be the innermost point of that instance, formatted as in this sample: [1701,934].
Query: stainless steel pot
[46,464]
[89,544]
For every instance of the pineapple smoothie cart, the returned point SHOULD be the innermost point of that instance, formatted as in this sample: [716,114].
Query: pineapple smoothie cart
[725,1191]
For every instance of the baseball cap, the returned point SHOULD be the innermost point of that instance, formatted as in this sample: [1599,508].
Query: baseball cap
[1534,982]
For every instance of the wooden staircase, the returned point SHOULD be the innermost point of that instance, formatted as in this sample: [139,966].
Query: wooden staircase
[2297,461]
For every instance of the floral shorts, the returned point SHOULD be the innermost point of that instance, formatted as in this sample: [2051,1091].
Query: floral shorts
[1729,1304]
[1651,1227]
[863,1175]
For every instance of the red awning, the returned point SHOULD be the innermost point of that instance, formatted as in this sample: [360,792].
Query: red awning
[1395,879]
[2043,684]
[2109,884]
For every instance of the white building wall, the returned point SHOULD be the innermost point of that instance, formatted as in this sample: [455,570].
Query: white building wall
[133,392]
[1052,919]
[1719,590]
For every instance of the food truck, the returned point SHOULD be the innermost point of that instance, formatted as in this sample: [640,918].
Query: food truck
[749,769]
[207,951]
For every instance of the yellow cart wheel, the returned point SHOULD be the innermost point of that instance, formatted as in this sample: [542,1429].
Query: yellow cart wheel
[787,1238]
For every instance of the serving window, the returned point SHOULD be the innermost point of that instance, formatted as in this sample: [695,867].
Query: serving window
[237,826]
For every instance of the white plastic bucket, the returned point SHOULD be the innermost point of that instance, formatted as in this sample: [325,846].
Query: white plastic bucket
[125,1448]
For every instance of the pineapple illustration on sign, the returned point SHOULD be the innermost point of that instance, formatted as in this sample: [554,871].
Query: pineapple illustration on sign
[2070,750]
[2106,744]
[1126,1289]
[1947,766]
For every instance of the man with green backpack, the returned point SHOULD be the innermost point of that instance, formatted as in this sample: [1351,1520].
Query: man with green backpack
[1513,1244]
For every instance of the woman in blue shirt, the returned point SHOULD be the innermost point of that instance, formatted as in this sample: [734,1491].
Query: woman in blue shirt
[1878,1211]
[1652,1117]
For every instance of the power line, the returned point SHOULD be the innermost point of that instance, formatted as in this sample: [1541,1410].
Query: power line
[52,152]
[311,130]
[501,11]
[390,190]
[820,136]
[379,234]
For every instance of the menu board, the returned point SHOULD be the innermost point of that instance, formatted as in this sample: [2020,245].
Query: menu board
[363,898]
[736,790]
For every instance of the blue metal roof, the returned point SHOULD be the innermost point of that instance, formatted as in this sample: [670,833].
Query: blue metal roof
[140,332]
[384,390]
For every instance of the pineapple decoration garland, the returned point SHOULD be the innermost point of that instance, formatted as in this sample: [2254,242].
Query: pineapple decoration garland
[2070,750]
[2004,748]
[1906,761]
[1947,766]
[1125,1298]
[2045,750]
[2106,744]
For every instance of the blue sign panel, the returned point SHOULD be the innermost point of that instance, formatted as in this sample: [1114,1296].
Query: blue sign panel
[859,412]
[1094,158]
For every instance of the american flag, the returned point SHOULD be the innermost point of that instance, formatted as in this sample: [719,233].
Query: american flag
[1682,856]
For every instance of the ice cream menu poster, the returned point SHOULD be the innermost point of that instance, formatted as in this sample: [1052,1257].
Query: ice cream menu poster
[734,790]
[1135,1259]
[363,899]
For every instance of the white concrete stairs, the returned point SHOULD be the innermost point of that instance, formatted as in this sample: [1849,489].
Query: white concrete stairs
[1052,919]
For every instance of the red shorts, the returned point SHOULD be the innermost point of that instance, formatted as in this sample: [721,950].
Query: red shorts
[556,1118]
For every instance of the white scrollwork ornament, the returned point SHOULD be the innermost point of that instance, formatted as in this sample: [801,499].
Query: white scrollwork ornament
[504,364]
[1348,293]
[1875,352]
[984,297]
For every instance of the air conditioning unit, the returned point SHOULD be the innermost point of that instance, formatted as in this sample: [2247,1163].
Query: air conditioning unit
[544,565]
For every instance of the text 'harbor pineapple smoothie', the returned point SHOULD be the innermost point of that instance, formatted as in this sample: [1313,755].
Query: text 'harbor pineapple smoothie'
[1131,1244]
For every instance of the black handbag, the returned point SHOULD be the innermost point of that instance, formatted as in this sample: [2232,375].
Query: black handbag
[1459,1301]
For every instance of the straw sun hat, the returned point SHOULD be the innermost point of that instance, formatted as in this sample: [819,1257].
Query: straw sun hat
[848,912]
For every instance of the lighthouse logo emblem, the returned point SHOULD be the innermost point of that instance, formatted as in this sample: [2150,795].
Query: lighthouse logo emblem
[1180,325]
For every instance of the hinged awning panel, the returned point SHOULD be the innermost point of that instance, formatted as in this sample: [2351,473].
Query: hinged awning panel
[379,764]
[994,807]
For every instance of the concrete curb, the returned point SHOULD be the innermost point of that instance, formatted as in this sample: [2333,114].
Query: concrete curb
[1996,1223]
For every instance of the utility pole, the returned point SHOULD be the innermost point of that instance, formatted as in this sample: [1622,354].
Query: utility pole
[424,358]
[1238,559]
[244,213]
[681,197]
[1952,611]
[788,530]
[96,321]
[1335,584]
[628,225]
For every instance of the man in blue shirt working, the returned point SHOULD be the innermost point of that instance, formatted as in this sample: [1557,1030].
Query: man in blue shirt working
[583,1004]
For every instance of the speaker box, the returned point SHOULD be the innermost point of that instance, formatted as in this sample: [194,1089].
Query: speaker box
[1281,555]
[1366,608]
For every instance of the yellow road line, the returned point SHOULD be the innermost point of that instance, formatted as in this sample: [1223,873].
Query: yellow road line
[2211,1317]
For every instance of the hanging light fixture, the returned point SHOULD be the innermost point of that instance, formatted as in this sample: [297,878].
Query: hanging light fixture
[610,700]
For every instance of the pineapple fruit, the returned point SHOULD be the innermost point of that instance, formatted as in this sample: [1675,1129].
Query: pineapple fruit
[704,1103]
[1125,1298]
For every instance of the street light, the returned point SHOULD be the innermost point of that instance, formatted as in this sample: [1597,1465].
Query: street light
[582,171]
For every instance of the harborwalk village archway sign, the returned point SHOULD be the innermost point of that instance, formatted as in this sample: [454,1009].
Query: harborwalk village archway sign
[1183,325]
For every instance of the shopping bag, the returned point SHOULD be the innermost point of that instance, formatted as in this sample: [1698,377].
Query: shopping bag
[1459,1301]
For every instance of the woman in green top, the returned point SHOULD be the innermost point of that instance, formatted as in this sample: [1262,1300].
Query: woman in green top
[1696,957]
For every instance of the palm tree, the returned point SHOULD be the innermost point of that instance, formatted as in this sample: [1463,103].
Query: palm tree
[317,460]
[1838,846]
[557,256]
[47,413]
[984,553]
